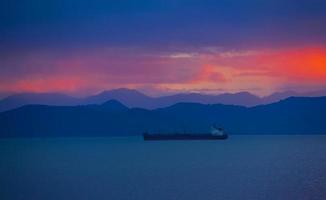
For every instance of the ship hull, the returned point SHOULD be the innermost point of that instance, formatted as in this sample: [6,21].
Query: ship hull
[184,137]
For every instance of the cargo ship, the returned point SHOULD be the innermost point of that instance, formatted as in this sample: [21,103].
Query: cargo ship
[215,134]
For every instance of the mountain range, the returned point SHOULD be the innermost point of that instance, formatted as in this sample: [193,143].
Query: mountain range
[135,99]
[294,115]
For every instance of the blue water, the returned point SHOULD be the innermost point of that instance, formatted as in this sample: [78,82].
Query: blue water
[242,167]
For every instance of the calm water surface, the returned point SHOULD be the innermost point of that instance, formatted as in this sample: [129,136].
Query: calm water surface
[242,167]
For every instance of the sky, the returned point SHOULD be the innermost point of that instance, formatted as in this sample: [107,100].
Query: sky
[162,46]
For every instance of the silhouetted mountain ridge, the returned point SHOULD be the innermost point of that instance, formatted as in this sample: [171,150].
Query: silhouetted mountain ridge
[134,98]
[295,115]
[114,105]
[17,100]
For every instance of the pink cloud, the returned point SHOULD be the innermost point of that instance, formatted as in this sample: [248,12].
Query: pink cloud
[208,74]
[99,69]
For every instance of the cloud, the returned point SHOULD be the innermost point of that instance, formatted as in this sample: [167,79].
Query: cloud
[209,74]
[299,64]
[182,55]
[201,69]
[234,53]
[99,68]
[48,84]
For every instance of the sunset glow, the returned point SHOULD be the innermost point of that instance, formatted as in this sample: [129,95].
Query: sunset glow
[213,50]
[222,71]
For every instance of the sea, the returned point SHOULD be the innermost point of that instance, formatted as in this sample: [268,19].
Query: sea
[128,168]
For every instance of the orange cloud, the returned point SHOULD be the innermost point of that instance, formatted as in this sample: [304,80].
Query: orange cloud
[208,74]
[305,64]
[265,70]
[62,84]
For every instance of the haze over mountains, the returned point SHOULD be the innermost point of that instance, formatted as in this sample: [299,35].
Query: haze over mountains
[294,115]
[136,99]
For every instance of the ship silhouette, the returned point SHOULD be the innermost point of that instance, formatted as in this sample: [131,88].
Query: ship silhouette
[216,133]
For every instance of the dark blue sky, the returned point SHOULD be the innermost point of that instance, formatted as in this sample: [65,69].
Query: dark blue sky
[153,23]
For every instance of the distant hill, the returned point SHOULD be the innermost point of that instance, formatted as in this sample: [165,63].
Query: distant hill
[241,98]
[129,97]
[277,96]
[114,105]
[18,100]
[136,99]
[295,115]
